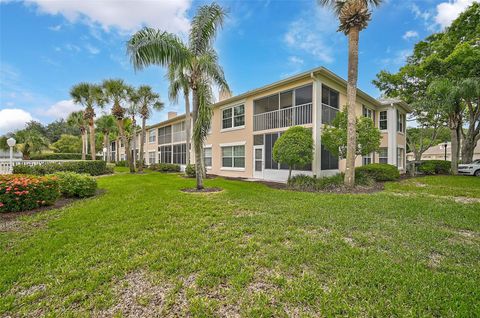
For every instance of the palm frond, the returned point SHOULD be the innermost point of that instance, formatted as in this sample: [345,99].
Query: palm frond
[205,25]
[154,47]
[204,115]
[211,69]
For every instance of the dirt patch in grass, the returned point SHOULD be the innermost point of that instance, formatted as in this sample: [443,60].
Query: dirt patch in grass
[434,259]
[137,296]
[204,190]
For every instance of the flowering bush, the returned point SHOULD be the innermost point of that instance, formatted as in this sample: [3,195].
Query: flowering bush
[21,192]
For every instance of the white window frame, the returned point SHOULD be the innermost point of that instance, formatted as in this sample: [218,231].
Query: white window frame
[232,118]
[150,157]
[233,145]
[367,157]
[368,112]
[401,121]
[380,120]
[211,156]
[151,133]
[380,157]
[402,158]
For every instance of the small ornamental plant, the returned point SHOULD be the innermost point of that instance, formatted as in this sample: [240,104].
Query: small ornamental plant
[22,193]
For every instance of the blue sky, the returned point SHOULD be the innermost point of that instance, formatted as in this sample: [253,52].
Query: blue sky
[46,46]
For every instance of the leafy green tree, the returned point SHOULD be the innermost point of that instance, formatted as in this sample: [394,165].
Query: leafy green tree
[30,141]
[294,148]
[334,137]
[148,101]
[89,96]
[68,144]
[196,59]
[470,93]
[419,139]
[57,128]
[107,126]
[354,16]
[77,120]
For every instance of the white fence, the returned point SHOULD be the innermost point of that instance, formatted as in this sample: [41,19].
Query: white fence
[286,117]
[6,169]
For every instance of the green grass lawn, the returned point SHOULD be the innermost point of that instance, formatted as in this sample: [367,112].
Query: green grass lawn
[144,248]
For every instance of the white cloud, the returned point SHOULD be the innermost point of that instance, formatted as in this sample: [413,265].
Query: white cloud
[12,119]
[410,35]
[419,14]
[308,35]
[295,60]
[92,49]
[123,15]
[57,27]
[62,109]
[399,57]
[449,11]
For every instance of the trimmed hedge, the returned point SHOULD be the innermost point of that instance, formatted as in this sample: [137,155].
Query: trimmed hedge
[22,193]
[307,183]
[93,168]
[76,185]
[165,167]
[378,172]
[60,156]
[190,171]
[121,163]
[431,167]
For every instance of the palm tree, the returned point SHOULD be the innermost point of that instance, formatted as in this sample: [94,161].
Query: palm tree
[179,81]
[77,120]
[116,93]
[89,95]
[132,110]
[196,59]
[148,101]
[107,125]
[30,141]
[354,16]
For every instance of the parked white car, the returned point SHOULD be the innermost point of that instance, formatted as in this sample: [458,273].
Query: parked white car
[470,169]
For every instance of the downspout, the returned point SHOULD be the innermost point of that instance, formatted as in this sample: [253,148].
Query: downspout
[316,121]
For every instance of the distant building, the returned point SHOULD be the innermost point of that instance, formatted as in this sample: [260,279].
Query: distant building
[5,154]
[438,152]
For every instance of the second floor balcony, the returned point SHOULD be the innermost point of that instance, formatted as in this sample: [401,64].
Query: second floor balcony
[292,116]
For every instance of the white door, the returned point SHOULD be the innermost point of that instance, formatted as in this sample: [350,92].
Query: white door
[258,162]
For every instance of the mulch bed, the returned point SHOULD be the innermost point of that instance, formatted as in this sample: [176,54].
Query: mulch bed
[205,190]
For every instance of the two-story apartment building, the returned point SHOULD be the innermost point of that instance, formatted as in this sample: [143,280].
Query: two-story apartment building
[245,127]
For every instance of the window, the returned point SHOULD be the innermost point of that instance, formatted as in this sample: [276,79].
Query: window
[330,97]
[383,120]
[270,163]
[151,136]
[165,135]
[366,160]
[400,122]
[303,95]
[122,157]
[328,160]
[299,96]
[233,157]
[113,146]
[180,154]
[400,155]
[258,140]
[367,112]
[178,132]
[233,117]
[151,157]
[165,155]
[383,155]
[207,156]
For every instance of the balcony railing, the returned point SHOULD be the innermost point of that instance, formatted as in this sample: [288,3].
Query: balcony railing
[286,117]
[328,114]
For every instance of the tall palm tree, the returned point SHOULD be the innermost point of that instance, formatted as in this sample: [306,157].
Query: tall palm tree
[89,95]
[132,110]
[354,16]
[107,125]
[76,119]
[197,59]
[148,101]
[116,93]
[179,81]
[30,141]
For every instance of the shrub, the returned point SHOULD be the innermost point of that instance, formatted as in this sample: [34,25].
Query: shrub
[76,185]
[168,167]
[330,183]
[94,168]
[59,156]
[121,163]
[109,169]
[435,167]
[378,172]
[306,183]
[22,193]
[190,171]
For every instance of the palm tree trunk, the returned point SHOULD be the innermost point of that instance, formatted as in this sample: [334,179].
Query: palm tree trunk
[187,125]
[121,130]
[107,141]
[91,124]
[134,143]
[197,143]
[353,36]
[82,132]
[142,142]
